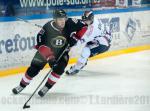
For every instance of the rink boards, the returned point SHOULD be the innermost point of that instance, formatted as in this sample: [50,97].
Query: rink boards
[130,31]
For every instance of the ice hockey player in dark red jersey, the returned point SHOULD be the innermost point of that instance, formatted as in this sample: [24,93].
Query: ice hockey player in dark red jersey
[51,42]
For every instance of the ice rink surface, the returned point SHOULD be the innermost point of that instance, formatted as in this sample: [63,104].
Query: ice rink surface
[120,83]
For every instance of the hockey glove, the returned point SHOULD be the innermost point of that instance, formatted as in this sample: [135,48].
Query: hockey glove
[46,52]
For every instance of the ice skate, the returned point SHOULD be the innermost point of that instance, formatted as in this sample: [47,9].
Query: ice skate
[43,91]
[17,89]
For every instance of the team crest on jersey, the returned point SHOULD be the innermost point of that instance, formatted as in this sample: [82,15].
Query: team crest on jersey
[58,41]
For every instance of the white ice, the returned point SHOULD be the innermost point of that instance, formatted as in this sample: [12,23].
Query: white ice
[119,83]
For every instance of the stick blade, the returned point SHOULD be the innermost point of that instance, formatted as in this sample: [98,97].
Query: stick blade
[26,106]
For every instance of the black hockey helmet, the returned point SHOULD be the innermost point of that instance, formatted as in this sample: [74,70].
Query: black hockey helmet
[59,13]
[88,15]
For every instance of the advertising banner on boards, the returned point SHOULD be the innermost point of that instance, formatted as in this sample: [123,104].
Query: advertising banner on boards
[18,38]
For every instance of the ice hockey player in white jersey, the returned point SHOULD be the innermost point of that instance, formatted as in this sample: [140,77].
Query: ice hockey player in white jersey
[97,39]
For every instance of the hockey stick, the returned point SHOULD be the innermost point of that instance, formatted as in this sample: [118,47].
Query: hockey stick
[28,106]
[18,18]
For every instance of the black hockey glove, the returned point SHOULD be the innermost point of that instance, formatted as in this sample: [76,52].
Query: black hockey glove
[72,40]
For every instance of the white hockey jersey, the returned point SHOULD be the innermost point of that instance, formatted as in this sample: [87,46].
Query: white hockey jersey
[99,32]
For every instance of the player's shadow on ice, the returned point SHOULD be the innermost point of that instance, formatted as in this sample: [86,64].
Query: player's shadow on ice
[49,95]
[92,74]
[56,95]
[49,98]
[23,94]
